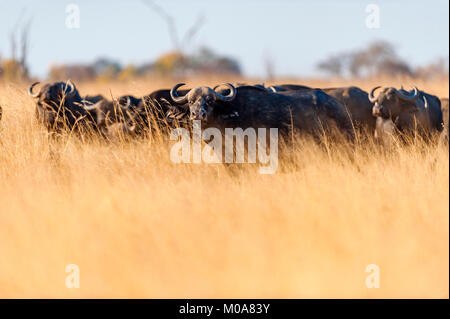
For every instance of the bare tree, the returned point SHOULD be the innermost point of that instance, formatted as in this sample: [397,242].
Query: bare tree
[12,43]
[192,32]
[179,43]
[24,46]
[20,42]
[173,34]
[371,59]
[379,58]
[393,67]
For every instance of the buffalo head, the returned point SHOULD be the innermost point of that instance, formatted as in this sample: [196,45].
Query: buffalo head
[390,102]
[58,104]
[202,100]
[52,95]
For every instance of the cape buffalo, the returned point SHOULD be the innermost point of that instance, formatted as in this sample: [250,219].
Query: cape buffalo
[114,116]
[158,108]
[413,111]
[355,101]
[59,106]
[310,111]
[159,104]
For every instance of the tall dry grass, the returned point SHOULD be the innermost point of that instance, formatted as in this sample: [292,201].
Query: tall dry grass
[139,226]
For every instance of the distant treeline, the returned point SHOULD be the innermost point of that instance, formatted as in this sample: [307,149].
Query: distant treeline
[377,59]
[380,58]
[203,62]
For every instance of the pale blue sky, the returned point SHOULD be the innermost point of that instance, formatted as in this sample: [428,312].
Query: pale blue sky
[296,34]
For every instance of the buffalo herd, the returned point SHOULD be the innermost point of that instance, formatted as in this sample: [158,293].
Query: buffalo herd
[291,108]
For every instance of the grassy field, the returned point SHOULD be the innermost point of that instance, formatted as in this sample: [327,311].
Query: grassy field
[140,226]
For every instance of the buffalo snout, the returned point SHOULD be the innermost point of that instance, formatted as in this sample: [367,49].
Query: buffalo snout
[199,115]
[379,111]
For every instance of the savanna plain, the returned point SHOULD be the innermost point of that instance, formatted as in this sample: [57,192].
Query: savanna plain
[140,226]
